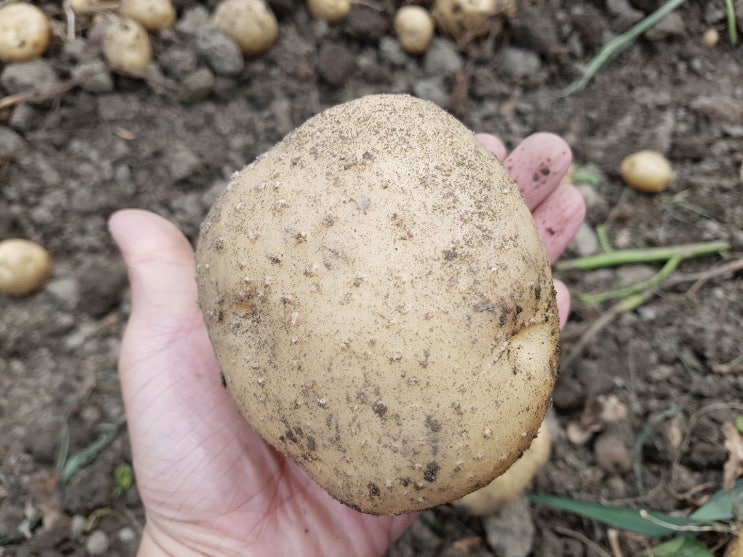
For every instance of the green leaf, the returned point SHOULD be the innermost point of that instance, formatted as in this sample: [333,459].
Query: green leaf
[124,476]
[632,520]
[723,505]
[739,423]
[588,176]
[681,547]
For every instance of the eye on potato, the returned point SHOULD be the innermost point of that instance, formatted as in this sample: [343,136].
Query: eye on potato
[381,305]
[24,32]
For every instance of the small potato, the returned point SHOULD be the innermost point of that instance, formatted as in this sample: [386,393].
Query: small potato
[126,46]
[250,23]
[414,28]
[646,171]
[154,15]
[471,18]
[24,32]
[24,267]
[329,10]
[711,37]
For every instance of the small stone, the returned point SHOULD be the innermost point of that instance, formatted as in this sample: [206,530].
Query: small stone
[126,535]
[37,76]
[585,242]
[178,62]
[366,24]
[510,533]
[442,58]
[719,106]
[11,144]
[66,290]
[77,526]
[671,26]
[392,51]
[220,52]
[97,543]
[181,163]
[519,62]
[431,89]
[612,449]
[197,86]
[24,117]
[335,64]
[192,20]
[625,14]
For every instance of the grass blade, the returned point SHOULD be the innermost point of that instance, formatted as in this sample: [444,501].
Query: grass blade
[632,520]
[618,44]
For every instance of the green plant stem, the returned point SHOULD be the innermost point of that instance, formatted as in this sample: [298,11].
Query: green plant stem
[603,236]
[618,44]
[626,291]
[88,454]
[732,24]
[646,255]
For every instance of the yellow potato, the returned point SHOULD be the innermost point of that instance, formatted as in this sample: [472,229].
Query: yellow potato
[414,28]
[126,46]
[153,15]
[329,10]
[24,32]
[646,171]
[250,23]
[24,267]
[471,18]
[381,305]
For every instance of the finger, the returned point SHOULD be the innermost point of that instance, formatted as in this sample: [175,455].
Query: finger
[493,144]
[562,295]
[558,218]
[537,165]
[160,262]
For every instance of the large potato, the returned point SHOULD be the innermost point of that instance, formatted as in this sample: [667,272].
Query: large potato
[381,305]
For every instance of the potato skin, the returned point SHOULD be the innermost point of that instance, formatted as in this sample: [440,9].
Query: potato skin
[381,305]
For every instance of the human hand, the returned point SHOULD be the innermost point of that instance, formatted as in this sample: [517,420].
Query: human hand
[210,485]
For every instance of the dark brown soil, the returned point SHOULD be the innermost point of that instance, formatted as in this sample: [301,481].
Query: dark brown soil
[71,155]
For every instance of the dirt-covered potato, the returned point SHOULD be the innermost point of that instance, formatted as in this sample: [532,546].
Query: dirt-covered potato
[24,267]
[127,47]
[381,305]
[153,15]
[24,32]
[471,18]
[250,23]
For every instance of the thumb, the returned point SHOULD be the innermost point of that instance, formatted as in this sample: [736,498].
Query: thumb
[160,262]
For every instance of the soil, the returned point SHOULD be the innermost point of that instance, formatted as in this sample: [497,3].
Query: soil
[88,142]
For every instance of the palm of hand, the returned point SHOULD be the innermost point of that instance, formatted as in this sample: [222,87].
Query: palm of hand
[209,483]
